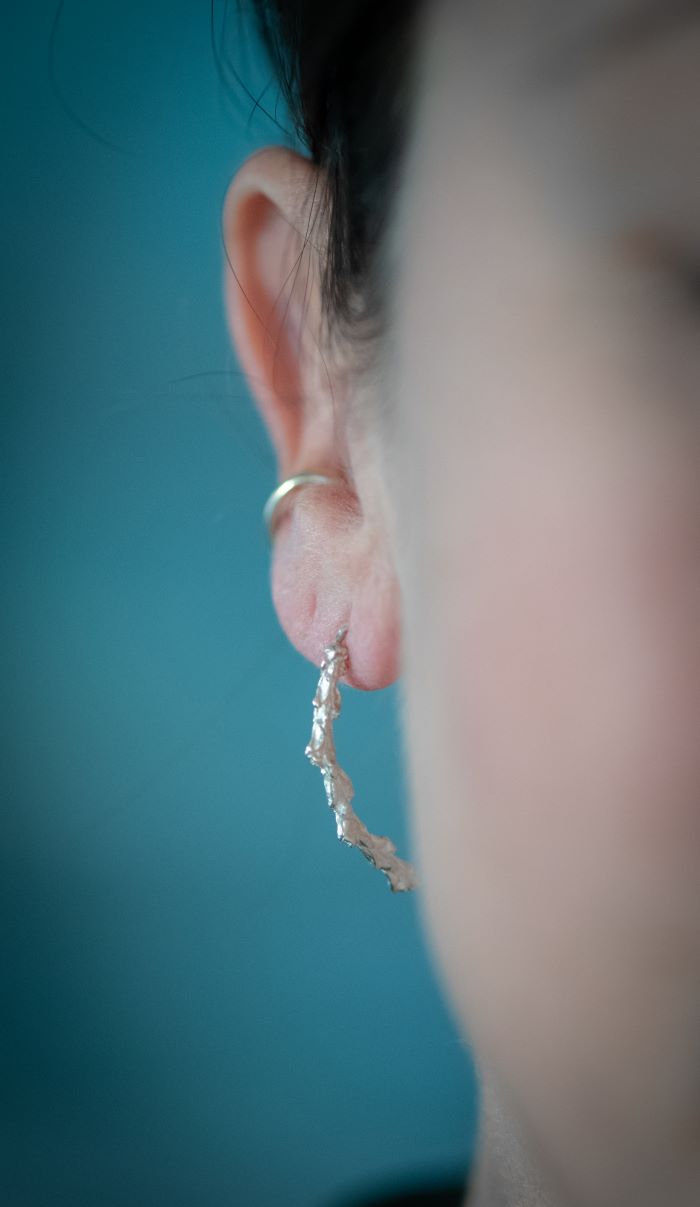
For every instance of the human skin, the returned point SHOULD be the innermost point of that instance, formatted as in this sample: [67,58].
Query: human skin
[518,538]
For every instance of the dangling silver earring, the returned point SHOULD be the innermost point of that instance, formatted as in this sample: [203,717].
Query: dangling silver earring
[379,850]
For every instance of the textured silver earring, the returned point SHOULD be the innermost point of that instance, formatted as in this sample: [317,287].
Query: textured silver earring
[380,851]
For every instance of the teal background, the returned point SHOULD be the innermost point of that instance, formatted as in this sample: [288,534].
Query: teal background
[206,998]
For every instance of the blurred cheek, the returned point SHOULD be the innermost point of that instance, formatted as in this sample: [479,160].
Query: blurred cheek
[578,705]
[561,698]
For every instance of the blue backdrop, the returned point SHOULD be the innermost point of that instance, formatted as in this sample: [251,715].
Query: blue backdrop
[207,999]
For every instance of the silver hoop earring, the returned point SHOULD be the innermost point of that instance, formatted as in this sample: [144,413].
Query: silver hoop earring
[270,510]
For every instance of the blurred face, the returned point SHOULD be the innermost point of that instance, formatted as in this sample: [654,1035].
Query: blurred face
[544,459]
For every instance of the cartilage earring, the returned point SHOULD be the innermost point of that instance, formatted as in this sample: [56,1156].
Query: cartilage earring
[380,851]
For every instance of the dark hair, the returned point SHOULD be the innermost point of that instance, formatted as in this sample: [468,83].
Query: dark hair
[345,70]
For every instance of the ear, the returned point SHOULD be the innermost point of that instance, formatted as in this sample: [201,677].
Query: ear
[331,561]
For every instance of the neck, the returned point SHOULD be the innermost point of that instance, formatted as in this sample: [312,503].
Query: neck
[510,1168]
[506,1171]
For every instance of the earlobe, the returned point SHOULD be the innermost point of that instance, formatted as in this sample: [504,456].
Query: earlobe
[328,571]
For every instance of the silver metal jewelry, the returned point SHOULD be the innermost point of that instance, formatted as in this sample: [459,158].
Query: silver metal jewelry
[280,492]
[380,851]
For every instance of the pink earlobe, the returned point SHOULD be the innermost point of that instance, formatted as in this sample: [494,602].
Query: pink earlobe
[311,612]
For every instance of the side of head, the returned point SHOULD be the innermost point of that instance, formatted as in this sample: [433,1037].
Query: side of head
[473,300]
